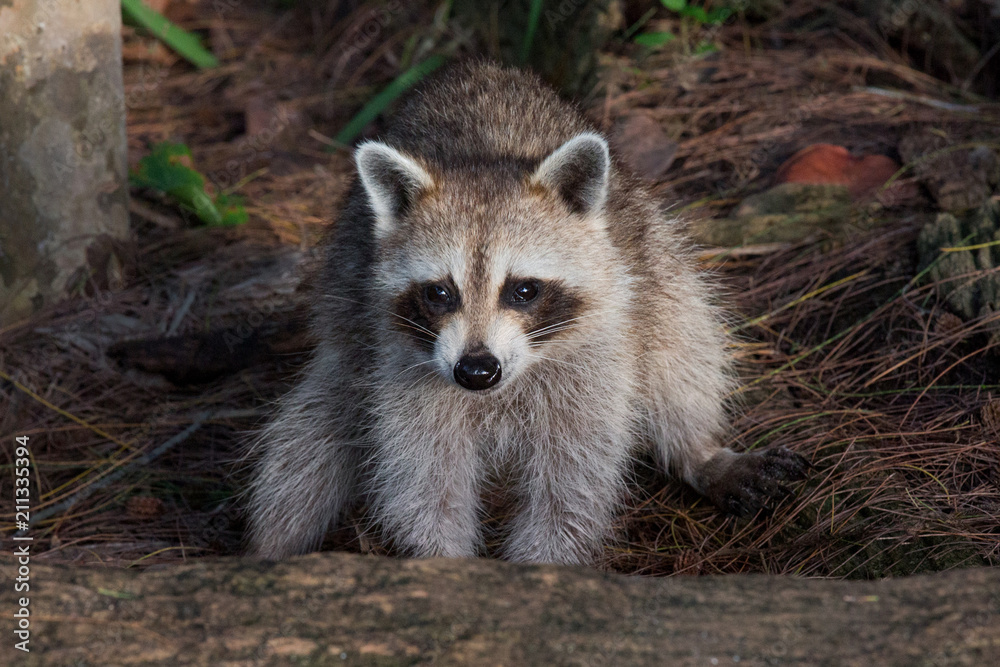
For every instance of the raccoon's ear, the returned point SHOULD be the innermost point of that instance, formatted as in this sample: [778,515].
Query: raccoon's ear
[391,180]
[578,171]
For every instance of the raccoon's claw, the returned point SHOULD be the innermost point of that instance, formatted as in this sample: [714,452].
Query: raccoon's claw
[751,481]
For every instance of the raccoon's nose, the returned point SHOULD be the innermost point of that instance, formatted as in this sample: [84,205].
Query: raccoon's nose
[477,371]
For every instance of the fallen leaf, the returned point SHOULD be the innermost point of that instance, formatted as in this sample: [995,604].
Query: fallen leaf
[948,324]
[258,115]
[644,146]
[144,507]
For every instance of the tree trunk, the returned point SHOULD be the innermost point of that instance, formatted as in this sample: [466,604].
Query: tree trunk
[344,609]
[63,163]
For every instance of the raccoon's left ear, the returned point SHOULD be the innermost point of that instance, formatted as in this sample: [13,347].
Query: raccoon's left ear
[578,172]
[391,180]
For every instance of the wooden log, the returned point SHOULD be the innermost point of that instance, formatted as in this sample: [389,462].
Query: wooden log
[345,609]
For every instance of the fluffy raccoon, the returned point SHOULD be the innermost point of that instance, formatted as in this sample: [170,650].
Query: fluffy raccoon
[500,300]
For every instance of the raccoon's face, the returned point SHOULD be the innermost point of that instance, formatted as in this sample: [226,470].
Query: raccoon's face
[486,271]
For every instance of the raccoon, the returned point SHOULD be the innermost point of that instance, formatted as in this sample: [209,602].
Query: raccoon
[500,299]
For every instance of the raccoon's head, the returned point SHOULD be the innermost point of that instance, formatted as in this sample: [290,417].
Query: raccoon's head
[487,268]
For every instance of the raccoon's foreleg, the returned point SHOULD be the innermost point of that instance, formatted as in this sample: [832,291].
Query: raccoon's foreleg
[744,483]
[570,490]
[425,487]
[307,470]
[687,385]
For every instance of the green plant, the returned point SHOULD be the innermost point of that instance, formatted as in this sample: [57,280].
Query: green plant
[693,19]
[164,169]
[377,104]
[530,30]
[187,45]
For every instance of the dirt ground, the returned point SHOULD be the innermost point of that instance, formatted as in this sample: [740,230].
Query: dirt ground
[850,351]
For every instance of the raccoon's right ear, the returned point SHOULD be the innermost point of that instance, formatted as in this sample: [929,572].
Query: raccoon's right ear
[391,180]
[578,171]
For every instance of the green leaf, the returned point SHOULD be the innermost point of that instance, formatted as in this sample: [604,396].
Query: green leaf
[654,39]
[164,170]
[232,209]
[201,204]
[719,15]
[674,5]
[181,41]
[696,13]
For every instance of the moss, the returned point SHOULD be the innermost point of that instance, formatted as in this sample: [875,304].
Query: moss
[965,279]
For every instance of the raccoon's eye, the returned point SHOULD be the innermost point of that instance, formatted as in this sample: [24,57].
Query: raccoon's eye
[524,292]
[437,295]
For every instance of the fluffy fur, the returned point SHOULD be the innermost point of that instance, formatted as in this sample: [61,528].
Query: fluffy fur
[489,188]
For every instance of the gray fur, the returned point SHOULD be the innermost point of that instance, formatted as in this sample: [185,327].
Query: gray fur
[377,416]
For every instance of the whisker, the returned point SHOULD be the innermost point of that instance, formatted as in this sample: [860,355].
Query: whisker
[564,362]
[385,310]
[534,333]
[429,361]
[418,329]
[551,331]
[423,377]
[415,325]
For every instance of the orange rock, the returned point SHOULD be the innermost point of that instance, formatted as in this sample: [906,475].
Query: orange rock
[831,164]
[644,146]
[819,163]
[870,173]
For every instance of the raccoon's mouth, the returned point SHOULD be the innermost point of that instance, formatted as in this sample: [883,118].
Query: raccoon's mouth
[478,371]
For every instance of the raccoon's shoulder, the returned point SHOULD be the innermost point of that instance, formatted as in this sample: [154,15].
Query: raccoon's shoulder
[342,280]
[481,111]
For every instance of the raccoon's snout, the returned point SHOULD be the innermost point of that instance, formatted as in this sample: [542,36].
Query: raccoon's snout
[478,371]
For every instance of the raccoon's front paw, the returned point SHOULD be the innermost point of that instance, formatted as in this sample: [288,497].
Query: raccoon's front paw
[746,483]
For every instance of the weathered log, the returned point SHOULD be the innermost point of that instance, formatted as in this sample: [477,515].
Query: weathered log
[344,609]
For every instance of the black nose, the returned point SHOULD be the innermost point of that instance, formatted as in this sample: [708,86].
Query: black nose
[477,371]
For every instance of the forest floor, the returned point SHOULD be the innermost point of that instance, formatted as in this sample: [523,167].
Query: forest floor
[854,349]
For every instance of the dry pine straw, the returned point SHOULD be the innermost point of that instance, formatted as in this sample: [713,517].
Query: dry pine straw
[844,357]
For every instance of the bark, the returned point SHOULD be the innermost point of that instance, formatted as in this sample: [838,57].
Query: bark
[63,188]
[345,609]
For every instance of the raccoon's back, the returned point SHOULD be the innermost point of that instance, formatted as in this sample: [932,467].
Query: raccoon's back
[478,112]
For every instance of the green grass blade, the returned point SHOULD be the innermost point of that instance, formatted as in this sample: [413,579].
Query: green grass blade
[638,25]
[529,34]
[653,40]
[184,43]
[377,104]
